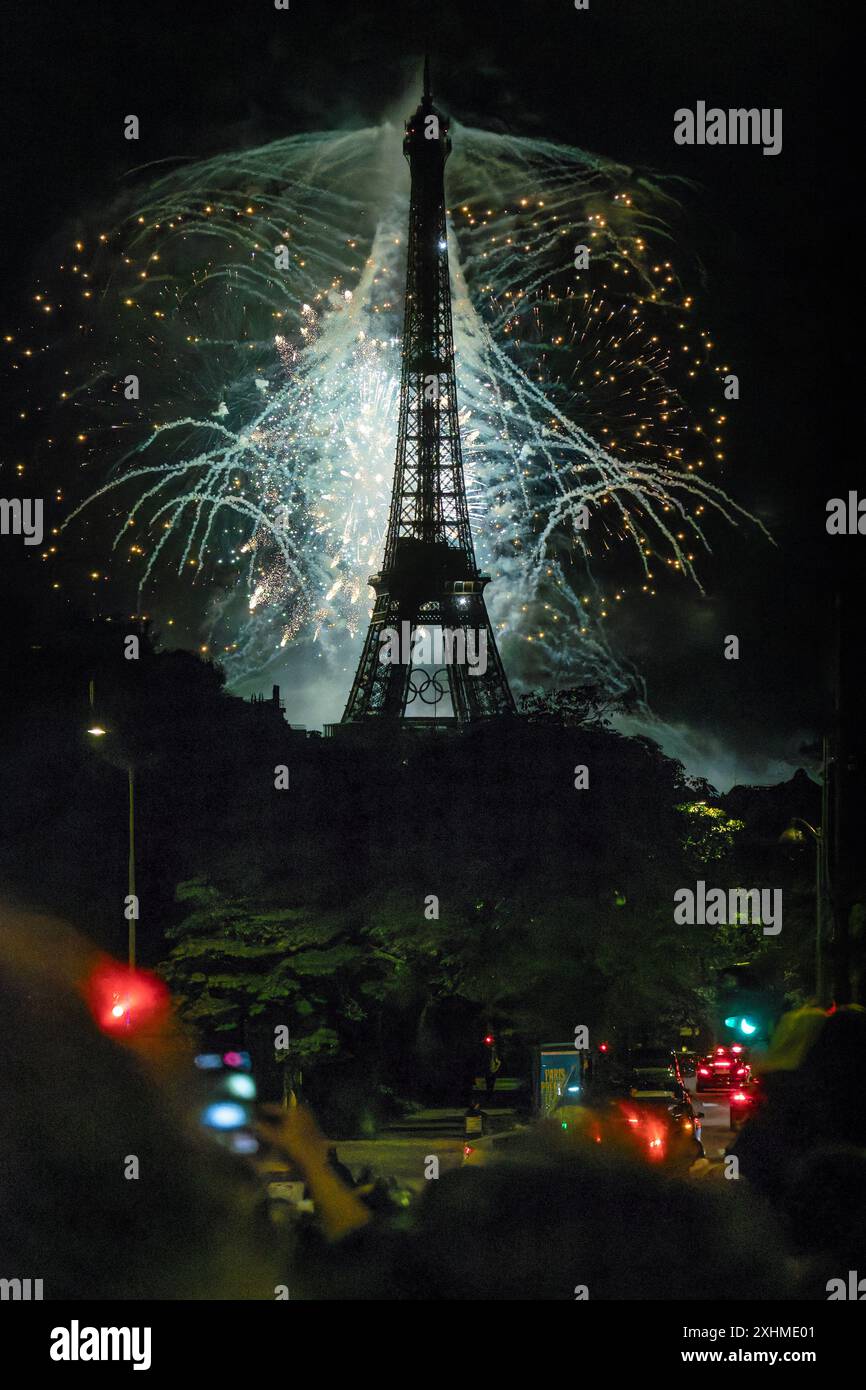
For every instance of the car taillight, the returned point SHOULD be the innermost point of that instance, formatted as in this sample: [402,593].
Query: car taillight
[703,1071]
[741,1071]
[741,1096]
[721,1064]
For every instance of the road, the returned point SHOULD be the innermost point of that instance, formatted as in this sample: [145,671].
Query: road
[404,1156]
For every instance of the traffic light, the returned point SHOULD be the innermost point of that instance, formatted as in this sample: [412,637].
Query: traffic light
[124,1002]
[489,1040]
[746,1005]
[744,1025]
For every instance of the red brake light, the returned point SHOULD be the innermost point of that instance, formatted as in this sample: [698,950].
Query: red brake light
[123,1001]
[703,1071]
[740,1095]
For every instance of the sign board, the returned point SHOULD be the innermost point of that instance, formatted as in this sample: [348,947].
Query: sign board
[557,1068]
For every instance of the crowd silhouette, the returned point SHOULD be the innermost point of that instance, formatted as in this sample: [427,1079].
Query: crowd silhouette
[553,1221]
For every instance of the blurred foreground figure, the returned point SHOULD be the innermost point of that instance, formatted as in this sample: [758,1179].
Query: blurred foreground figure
[110,1191]
[805,1147]
[553,1221]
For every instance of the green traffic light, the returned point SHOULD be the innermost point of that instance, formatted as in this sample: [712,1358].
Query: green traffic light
[742,1025]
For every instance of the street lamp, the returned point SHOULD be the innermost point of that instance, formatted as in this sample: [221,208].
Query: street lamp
[97,731]
[794,835]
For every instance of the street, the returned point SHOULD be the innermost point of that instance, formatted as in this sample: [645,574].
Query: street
[403,1156]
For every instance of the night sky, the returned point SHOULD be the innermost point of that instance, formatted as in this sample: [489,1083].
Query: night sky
[206,77]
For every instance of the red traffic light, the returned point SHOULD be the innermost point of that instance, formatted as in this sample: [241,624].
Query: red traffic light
[603,1047]
[123,1001]
[489,1040]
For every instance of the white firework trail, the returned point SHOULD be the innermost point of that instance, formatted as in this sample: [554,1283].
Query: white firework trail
[262,452]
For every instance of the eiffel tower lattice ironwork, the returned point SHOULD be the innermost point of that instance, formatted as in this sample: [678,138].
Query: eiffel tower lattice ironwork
[429,577]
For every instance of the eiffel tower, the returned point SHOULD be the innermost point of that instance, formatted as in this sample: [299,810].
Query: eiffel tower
[429,583]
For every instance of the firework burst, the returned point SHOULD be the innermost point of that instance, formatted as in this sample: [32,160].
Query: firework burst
[257,299]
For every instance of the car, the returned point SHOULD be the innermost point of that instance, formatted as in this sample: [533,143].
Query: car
[688,1063]
[723,1068]
[665,1128]
[647,1112]
[649,1079]
[656,1063]
[744,1101]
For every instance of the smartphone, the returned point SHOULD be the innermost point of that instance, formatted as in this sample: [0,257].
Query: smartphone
[228,1108]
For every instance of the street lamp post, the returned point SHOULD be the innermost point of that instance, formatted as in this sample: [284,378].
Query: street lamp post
[793,835]
[98,731]
[132,908]
[817,835]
